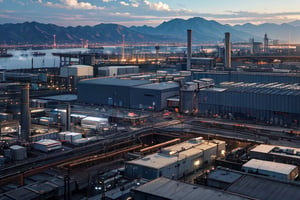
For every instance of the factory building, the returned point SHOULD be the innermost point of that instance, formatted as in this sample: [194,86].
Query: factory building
[176,161]
[127,93]
[153,96]
[273,103]
[47,145]
[279,154]
[94,122]
[271,169]
[117,70]
[84,71]
[253,186]
[165,189]
[72,74]
[69,136]
[202,63]
[247,77]
[107,91]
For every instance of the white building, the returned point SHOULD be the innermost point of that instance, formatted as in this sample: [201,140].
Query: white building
[94,122]
[176,161]
[281,154]
[47,145]
[69,136]
[271,169]
[77,71]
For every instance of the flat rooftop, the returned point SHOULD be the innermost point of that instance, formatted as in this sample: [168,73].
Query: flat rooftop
[66,97]
[114,82]
[159,86]
[174,153]
[224,175]
[79,66]
[175,190]
[214,89]
[257,186]
[265,188]
[278,150]
[270,166]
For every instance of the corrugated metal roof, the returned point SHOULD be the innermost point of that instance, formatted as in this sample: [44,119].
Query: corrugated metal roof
[224,175]
[114,82]
[79,66]
[270,88]
[159,86]
[215,89]
[270,166]
[265,188]
[175,190]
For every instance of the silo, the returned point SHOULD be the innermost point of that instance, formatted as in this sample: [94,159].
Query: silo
[25,113]
[189,98]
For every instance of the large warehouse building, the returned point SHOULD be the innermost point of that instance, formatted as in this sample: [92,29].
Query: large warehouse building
[142,94]
[248,77]
[274,103]
[253,186]
[166,189]
[176,161]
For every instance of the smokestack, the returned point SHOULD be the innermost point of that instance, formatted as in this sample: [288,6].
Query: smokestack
[189,49]
[25,113]
[227,51]
[68,117]
[123,47]
[157,52]
[266,44]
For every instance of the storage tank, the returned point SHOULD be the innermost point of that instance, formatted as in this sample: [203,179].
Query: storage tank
[18,152]
[189,98]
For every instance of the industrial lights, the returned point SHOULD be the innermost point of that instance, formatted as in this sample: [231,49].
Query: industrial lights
[196,163]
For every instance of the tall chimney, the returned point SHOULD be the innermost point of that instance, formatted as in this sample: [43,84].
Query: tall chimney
[25,113]
[189,49]
[68,117]
[227,51]
[266,44]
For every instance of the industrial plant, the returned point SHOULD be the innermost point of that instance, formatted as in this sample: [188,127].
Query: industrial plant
[155,125]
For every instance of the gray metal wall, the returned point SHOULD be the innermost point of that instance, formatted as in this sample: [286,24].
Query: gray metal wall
[125,96]
[146,97]
[137,171]
[271,108]
[248,77]
[100,94]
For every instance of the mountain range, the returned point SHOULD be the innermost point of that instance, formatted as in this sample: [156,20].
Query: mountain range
[203,31]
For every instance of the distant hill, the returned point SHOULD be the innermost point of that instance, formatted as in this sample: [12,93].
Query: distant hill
[204,31]
[283,32]
[295,23]
[37,33]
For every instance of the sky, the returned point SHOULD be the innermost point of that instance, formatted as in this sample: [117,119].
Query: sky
[147,12]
